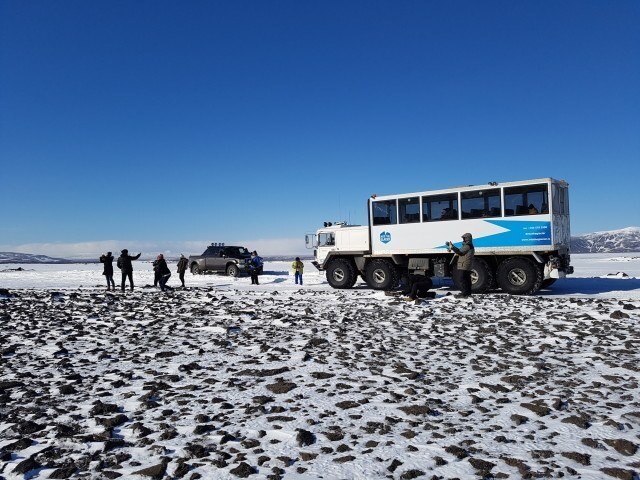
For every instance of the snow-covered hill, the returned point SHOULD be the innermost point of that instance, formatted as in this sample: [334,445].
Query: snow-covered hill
[613,241]
[13,257]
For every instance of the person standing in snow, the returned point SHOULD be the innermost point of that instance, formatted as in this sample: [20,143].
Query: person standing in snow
[298,268]
[182,268]
[126,268]
[156,274]
[463,265]
[254,266]
[108,269]
[163,273]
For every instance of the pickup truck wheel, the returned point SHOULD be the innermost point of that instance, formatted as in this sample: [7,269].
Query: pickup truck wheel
[341,273]
[195,269]
[232,270]
[382,275]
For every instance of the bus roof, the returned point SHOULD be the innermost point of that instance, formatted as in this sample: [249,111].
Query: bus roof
[465,188]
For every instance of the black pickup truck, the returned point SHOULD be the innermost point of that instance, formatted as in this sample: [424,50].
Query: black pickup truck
[231,260]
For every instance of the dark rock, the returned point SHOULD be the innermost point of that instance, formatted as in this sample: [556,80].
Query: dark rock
[64,472]
[202,429]
[113,443]
[9,384]
[457,451]
[618,315]
[281,387]
[621,473]
[322,375]
[413,473]
[622,446]
[67,390]
[394,465]
[539,408]
[519,419]
[304,438]
[417,410]
[578,421]
[19,445]
[28,427]
[347,404]
[581,458]
[243,470]
[100,408]
[481,465]
[155,471]
[112,421]
[26,466]
[348,458]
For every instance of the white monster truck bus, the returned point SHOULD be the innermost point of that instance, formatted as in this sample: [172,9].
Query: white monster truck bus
[520,232]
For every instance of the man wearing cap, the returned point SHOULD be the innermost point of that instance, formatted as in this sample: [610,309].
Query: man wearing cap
[124,264]
[463,265]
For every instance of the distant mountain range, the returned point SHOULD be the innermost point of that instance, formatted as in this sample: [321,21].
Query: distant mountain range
[13,257]
[614,241]
[29,258]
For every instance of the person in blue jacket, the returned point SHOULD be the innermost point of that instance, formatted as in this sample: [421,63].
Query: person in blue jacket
[254,267]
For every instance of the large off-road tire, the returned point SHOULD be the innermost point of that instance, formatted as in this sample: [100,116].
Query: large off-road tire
[195,269]
[547,282]
[519,276]
[341,273]
[232,270]
[381,275]
[482,278]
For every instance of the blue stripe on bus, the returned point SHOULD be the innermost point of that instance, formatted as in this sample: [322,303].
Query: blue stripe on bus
[518,234]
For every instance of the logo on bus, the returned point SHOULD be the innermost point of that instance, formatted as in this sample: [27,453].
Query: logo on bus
[385,237]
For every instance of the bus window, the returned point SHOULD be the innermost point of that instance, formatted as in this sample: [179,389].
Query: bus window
[440,207]
[385,212]
[481,203]
[409,209]
[526,200]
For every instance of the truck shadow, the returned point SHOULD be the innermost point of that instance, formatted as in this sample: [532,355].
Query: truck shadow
[591,286]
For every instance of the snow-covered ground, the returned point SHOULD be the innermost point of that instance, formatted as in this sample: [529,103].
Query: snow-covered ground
[229,380]
[596,275]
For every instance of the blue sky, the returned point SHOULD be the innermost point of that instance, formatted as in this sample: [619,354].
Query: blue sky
[163,123]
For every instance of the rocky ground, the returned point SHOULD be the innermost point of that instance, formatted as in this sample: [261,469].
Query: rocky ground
[215,383]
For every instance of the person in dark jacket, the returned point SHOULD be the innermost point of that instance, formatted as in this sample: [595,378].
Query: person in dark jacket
[419,285]
[156,274]
[108,269]
[182,268]
[463,265]
[126,268]
[163,272]
[254,266]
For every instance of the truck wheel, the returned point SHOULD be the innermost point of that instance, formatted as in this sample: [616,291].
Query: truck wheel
[195,269]
[232,270]
[381,275]
[546,283]
[519,276]
[340,273]
[481,276]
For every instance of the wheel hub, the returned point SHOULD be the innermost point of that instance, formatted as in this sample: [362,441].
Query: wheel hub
[517,276]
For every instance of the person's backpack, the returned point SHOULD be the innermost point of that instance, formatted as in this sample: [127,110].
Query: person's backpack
[119,263]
